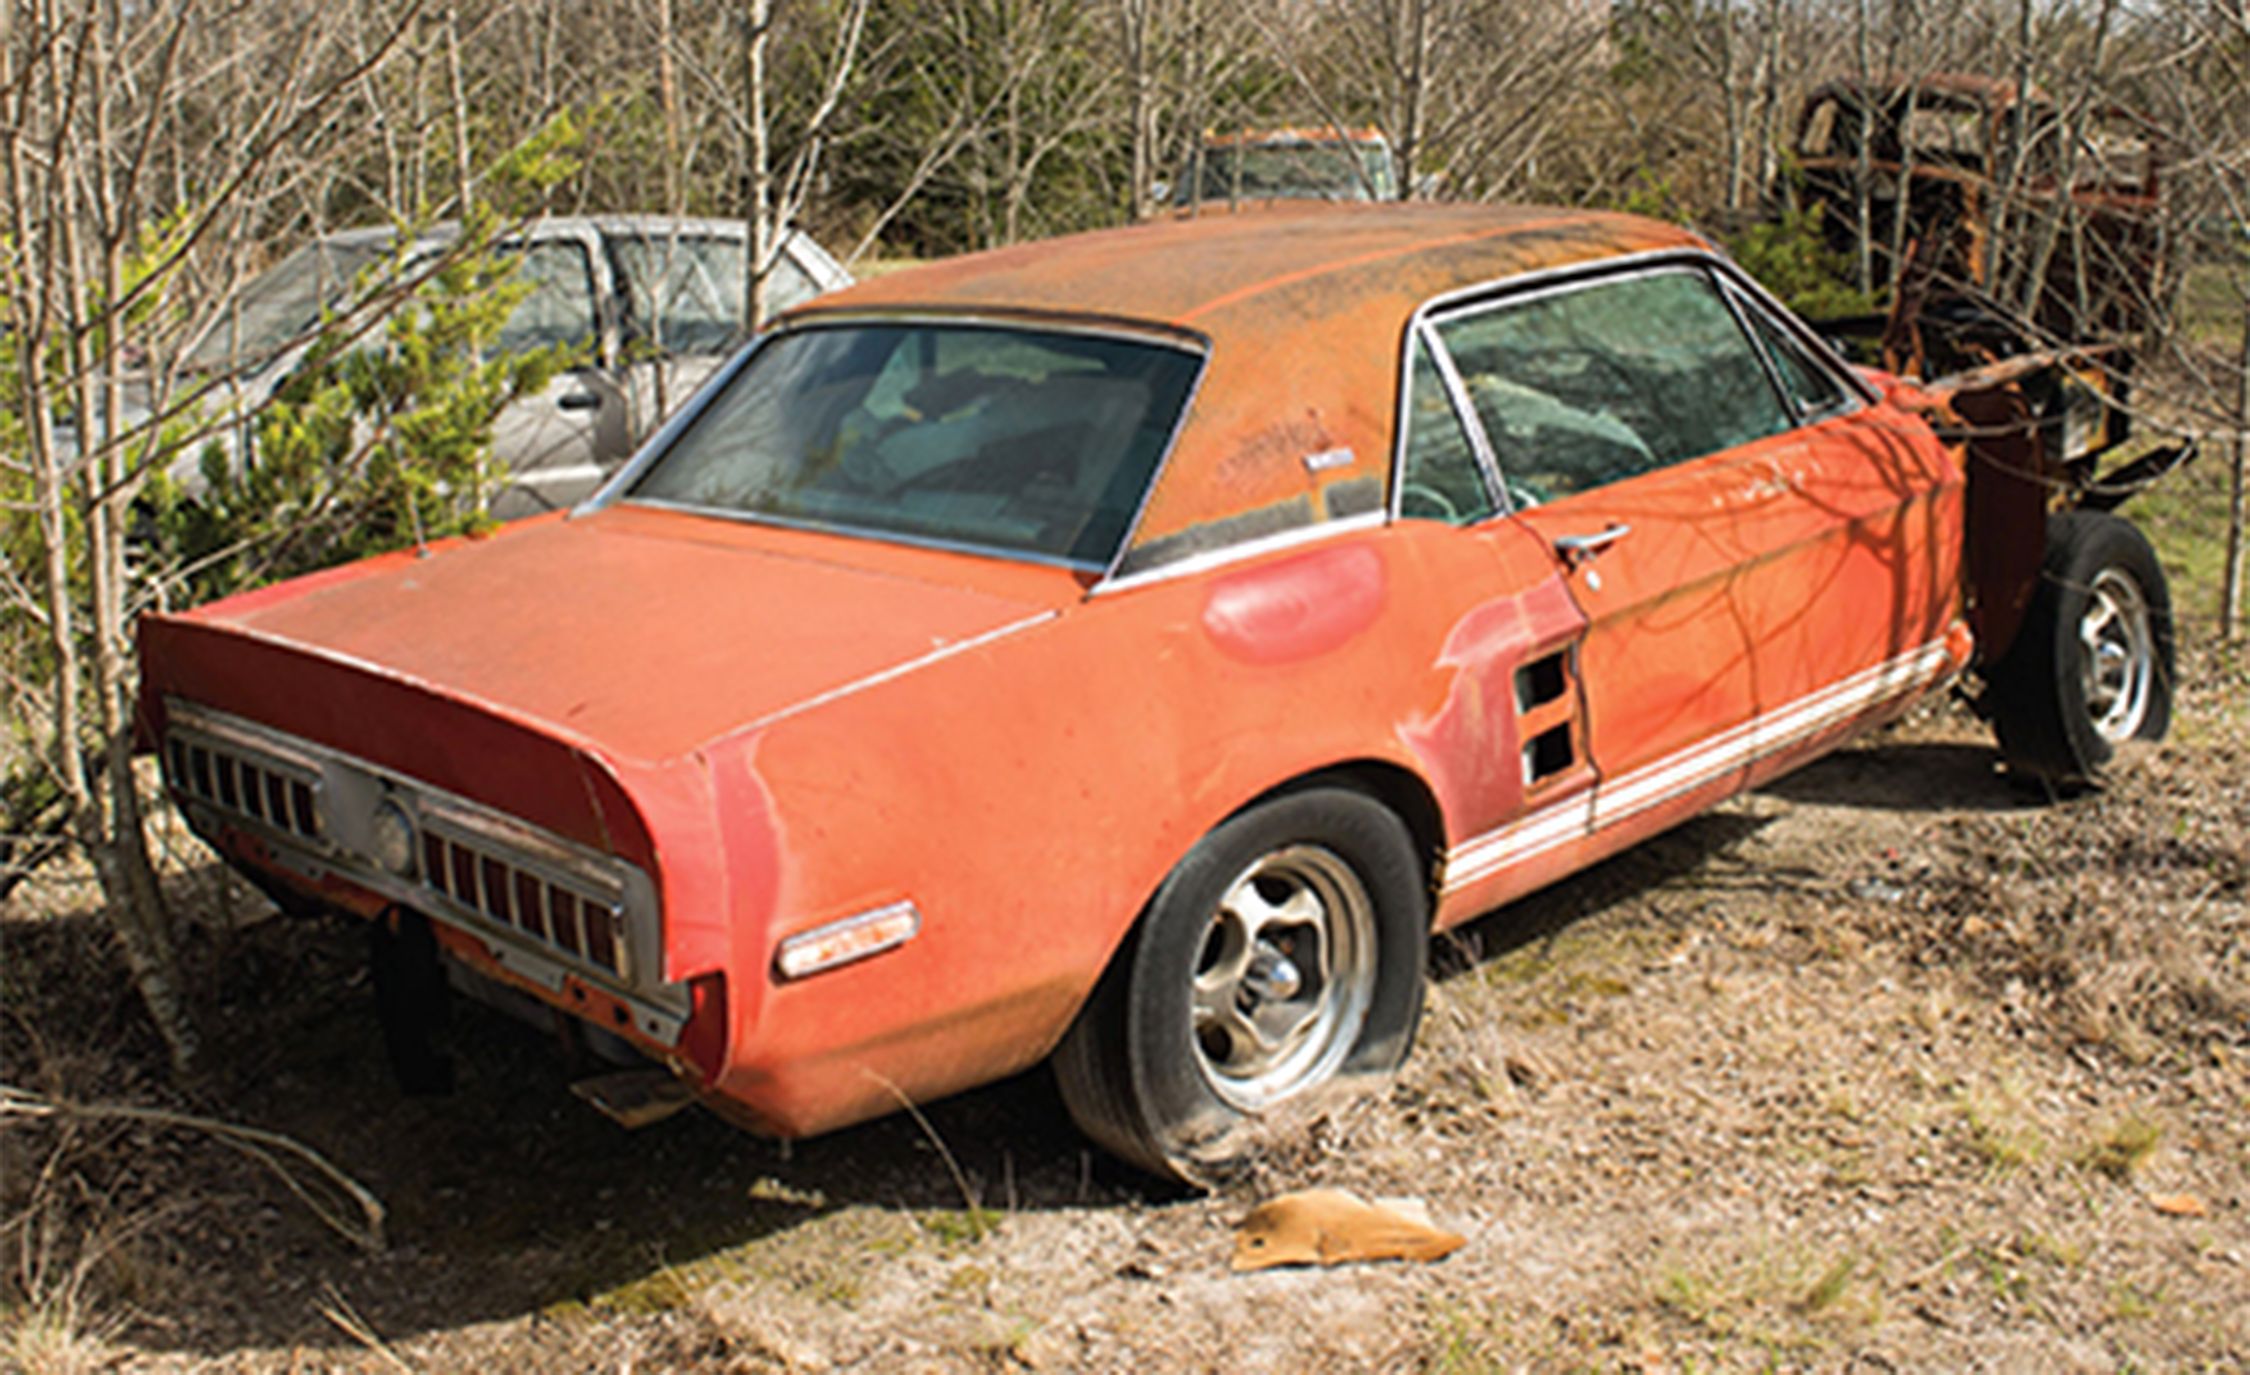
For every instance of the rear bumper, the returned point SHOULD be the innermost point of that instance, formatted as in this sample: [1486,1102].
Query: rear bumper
[582,929]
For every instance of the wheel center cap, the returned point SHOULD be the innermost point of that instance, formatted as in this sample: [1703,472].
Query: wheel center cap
[1271,976]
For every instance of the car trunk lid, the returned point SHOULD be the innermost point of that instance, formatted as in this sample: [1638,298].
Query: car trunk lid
[643,634]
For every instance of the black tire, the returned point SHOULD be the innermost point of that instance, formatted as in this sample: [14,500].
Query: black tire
[1164,1066]
[2092,666]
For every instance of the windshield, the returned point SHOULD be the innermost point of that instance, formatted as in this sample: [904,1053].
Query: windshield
[1032,441]
[278,305]
[1293,171]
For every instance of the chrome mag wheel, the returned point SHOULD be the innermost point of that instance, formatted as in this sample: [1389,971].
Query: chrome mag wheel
[1284,976]
[2119,659]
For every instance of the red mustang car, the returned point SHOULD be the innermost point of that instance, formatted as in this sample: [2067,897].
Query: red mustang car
[1126,650]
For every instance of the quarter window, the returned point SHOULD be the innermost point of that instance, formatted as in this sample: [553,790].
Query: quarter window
[1442,480]
[1596,384]
[1813,388]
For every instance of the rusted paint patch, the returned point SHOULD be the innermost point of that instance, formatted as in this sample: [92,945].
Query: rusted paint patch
[1357,496]
[1266,521]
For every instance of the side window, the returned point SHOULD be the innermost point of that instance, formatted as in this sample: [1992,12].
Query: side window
[559,309]
[1814,389]
[1440,479]
[686,293]
[1595,384]
[788,285]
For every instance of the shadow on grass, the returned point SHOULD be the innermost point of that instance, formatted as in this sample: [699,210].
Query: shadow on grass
[1688,848]
[506,1197]
[509,1197]
[1697,855]
[1909,776]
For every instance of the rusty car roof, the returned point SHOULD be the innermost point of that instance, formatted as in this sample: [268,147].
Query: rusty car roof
[1304,309]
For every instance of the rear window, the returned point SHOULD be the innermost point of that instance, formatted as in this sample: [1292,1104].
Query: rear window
[1038,442]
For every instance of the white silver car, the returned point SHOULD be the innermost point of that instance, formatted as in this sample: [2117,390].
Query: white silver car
[656,303]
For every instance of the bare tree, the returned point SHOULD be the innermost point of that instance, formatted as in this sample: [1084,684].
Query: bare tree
[96,279]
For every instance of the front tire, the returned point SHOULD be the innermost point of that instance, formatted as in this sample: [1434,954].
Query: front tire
[1283,953]
[2092,666]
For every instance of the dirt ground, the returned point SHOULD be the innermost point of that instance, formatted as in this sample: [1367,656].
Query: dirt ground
[1889,1065]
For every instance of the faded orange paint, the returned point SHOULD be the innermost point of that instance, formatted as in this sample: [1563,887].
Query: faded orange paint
[783,728]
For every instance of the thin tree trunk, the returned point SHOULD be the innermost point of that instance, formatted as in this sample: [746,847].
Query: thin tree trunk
[758,176]
[1730,100]
[2238,503]
[2008,185]
[464,180]
[1135,16]
[109,819]
[668,100]
[1416,114]
[1863,178]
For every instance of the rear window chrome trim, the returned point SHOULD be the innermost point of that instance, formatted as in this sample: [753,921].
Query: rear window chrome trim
[933,542]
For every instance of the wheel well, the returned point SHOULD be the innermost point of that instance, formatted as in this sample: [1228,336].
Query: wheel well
[1397,788]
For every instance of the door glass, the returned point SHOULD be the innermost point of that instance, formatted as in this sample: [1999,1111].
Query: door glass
[1812,387]
[1605,382]
[559,308]
[1441,479]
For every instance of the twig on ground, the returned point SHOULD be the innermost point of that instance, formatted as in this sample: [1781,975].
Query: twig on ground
[352,1325]
[960,1180]
[258,1144]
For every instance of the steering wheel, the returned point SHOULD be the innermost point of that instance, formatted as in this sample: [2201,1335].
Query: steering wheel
[1420,499]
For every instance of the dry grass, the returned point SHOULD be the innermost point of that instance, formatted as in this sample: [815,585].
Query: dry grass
[1886,1065]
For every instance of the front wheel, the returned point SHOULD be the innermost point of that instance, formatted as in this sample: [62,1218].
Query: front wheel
[1283,953]
[2092,666]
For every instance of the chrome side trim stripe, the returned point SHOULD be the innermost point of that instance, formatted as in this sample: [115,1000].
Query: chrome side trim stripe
[1616,800]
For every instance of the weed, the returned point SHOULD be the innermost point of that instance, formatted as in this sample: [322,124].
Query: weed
[662,1292]
[2131,1302]
[1999,1132]
[2036,1245]
[1752,1290]
[2120,1149]
[969,1279]
[1830,1286]
[958,1227]
[1460,1338]
[2009,1283]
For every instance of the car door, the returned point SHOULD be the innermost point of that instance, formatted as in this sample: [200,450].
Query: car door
[1640,432]
[557,444]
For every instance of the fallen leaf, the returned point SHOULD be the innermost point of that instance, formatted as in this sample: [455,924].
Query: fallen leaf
[1332,1227]
[2178,1205]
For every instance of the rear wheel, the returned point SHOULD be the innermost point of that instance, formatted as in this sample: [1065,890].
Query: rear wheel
[1283,953]
[2092,666]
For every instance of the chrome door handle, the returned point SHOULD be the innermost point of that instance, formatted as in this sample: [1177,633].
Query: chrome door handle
[1581,549]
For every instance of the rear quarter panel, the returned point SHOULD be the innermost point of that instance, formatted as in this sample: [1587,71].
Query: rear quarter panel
[1029,796]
